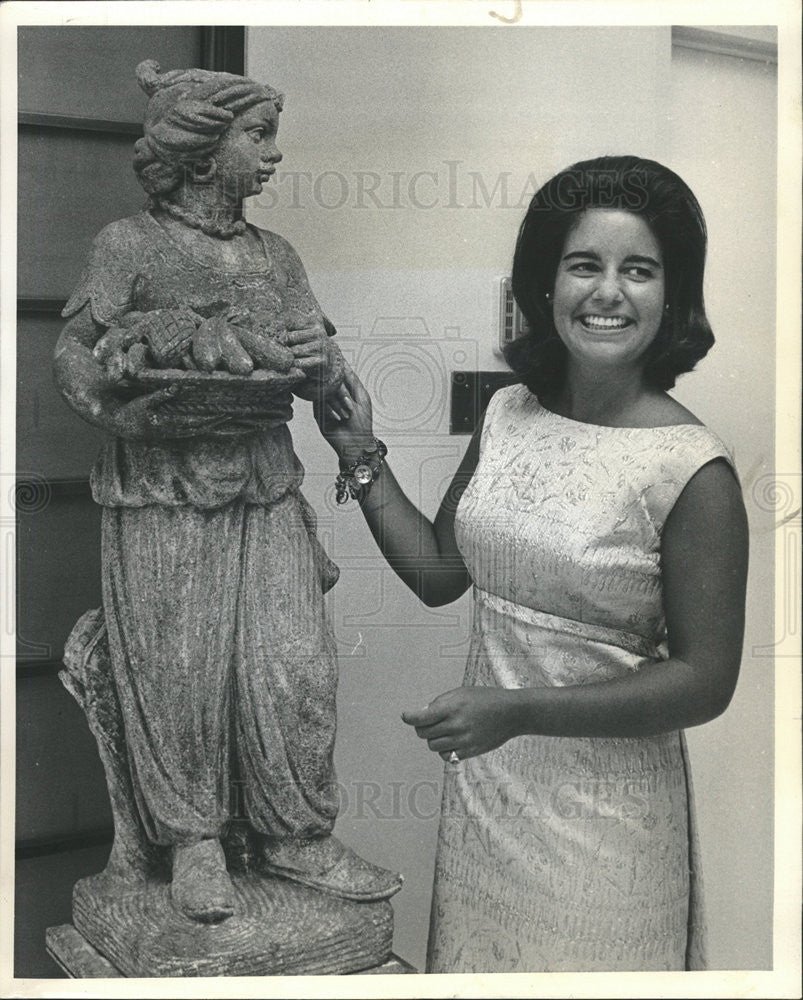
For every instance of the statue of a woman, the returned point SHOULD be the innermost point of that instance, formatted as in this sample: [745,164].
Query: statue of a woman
[188,334]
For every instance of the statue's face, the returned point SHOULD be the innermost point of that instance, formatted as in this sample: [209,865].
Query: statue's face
[246,155]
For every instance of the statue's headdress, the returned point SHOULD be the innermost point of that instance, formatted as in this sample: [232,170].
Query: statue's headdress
[188,111]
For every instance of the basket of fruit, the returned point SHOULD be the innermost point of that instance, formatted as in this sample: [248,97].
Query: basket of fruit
[230,365]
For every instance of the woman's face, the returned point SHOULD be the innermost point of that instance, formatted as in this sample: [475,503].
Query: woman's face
[608,300]
[247,154]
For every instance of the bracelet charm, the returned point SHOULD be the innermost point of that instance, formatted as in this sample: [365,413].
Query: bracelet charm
[364,474]
[356,478]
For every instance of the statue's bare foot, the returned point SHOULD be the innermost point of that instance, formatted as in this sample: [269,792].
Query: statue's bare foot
[324,863]
[201,887]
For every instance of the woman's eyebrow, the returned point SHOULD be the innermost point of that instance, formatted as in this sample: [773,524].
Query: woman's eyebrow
[632,258]
[581,253]
[638,259]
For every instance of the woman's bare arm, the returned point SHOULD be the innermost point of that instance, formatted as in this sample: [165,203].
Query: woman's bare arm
[704,565]
[423,554]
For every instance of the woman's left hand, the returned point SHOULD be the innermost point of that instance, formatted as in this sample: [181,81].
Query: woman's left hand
[467,721]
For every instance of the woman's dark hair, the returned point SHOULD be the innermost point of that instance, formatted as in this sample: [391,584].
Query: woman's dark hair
[668,206]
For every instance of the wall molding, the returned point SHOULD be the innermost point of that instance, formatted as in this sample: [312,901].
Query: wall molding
[223,49]
[33,492]
[26,305]
[77,123]
[724,43]
[35,847]
[26,669]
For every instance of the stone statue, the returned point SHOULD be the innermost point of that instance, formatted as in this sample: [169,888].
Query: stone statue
[211,667]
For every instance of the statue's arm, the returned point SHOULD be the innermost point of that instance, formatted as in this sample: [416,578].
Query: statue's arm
[326,377]
[92,388]
[309,332]
[297,280]
[100,306]
[82,380]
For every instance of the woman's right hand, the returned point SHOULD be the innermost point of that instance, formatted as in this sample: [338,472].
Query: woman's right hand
[345,418]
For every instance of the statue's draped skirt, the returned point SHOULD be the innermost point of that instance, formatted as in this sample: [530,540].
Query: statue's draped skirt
[224,665]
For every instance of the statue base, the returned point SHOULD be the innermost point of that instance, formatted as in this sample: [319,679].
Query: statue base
[280,928]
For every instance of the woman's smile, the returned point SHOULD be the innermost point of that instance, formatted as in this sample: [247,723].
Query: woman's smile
[604,324]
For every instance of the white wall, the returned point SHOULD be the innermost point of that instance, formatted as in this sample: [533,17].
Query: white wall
[408,137]
[721,137]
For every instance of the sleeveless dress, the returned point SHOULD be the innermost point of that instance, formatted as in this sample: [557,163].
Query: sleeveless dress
[556,853]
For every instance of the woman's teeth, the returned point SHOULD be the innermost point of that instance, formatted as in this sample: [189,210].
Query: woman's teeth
[605,322]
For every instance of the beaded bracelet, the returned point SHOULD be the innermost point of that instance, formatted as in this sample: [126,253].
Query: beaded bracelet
[356,478]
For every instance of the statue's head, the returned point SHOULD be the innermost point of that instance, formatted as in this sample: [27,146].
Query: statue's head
[189,118]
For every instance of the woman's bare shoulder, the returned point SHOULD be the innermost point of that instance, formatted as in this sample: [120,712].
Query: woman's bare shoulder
[664,411]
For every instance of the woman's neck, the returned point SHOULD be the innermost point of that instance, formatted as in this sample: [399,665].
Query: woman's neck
[607,398]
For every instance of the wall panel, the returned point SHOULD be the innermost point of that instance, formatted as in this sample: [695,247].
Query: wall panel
[71,185]
[73,181]
[52,440]
[75,177]
[58,555]
[90,70]
[60,784]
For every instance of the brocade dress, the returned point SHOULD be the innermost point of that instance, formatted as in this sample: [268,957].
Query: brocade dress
[557,853]
[213,579]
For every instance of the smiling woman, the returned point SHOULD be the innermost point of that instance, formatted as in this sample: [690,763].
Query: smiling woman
[602,530]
